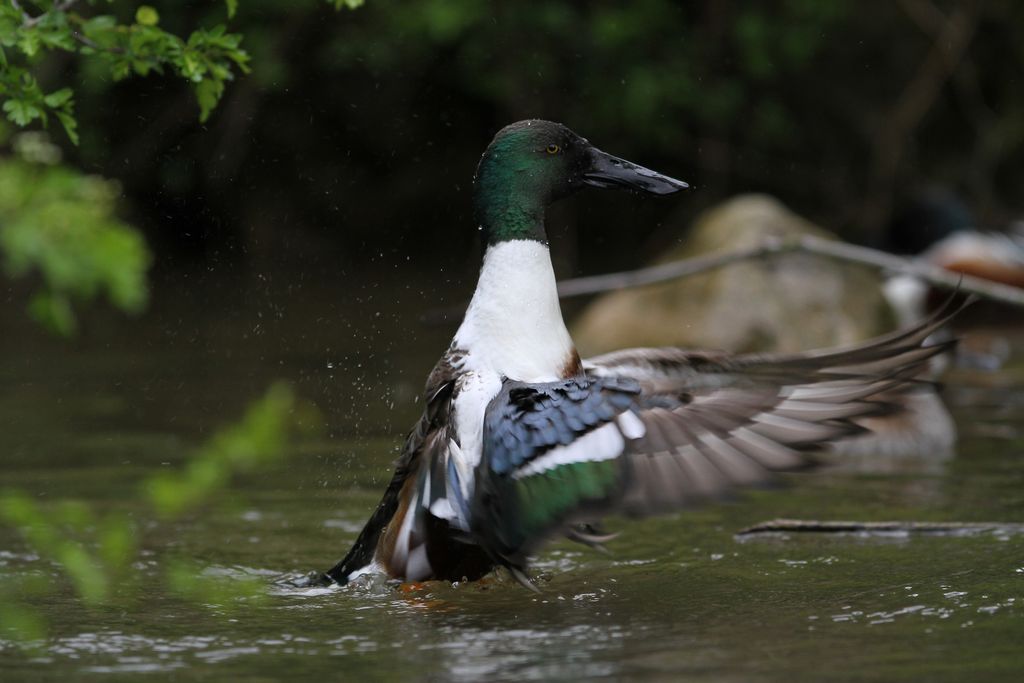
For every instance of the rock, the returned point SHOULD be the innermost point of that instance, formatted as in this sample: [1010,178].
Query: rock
[790,302]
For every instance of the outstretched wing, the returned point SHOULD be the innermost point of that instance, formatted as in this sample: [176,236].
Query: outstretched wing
[676,435]
[671,370]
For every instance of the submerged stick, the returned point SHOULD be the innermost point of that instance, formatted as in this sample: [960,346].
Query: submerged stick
[840,251]
[834,527]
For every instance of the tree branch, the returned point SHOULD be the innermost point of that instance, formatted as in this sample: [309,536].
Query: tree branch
[916,99]
[88,42]
[28,21]
[816,526]
[926,15]
[841,251]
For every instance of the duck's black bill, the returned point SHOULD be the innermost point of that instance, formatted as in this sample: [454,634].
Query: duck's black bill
[608,171]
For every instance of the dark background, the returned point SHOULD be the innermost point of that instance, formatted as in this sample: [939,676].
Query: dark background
[353,141]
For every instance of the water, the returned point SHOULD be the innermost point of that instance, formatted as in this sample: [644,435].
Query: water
[679,597]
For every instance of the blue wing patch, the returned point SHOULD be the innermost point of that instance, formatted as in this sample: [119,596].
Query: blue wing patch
[519,497]
[525,420]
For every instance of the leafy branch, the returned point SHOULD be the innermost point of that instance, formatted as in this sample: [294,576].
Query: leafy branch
[207,59]
[61,225]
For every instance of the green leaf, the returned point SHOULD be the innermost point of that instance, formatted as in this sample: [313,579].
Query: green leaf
[58,98]
[192,582]
[22,112]
[100,23]
[232,7]
[101,30]
[28,42]
[121,68]
[147,16]
[117,543]
[70,125]
[10,28]
[350,4]
[208,93]
[21,623]
[57,37]
[260,437]
[53,312]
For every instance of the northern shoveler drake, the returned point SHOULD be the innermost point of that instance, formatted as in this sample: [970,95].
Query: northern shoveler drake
[521,440]
[937,228]
[994,256]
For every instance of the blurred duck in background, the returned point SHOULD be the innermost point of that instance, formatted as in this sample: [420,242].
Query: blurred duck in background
[937,228]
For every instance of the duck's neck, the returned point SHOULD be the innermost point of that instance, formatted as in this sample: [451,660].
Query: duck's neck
[506,215]
[509,196]
[514,323]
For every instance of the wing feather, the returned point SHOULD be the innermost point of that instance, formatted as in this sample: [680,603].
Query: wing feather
[667,370]
[688,428]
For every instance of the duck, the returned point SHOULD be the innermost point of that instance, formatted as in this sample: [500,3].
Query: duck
[935,227]
[522,441]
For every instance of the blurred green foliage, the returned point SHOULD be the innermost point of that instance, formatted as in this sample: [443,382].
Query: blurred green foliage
[197,584]
[61,224]
[256,441]
[96,553]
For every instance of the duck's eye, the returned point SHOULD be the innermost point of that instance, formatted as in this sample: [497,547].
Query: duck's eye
[553,149]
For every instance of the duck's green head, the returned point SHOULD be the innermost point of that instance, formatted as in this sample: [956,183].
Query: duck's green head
[532,163]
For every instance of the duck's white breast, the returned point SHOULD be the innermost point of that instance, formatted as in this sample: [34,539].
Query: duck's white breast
[514,325]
